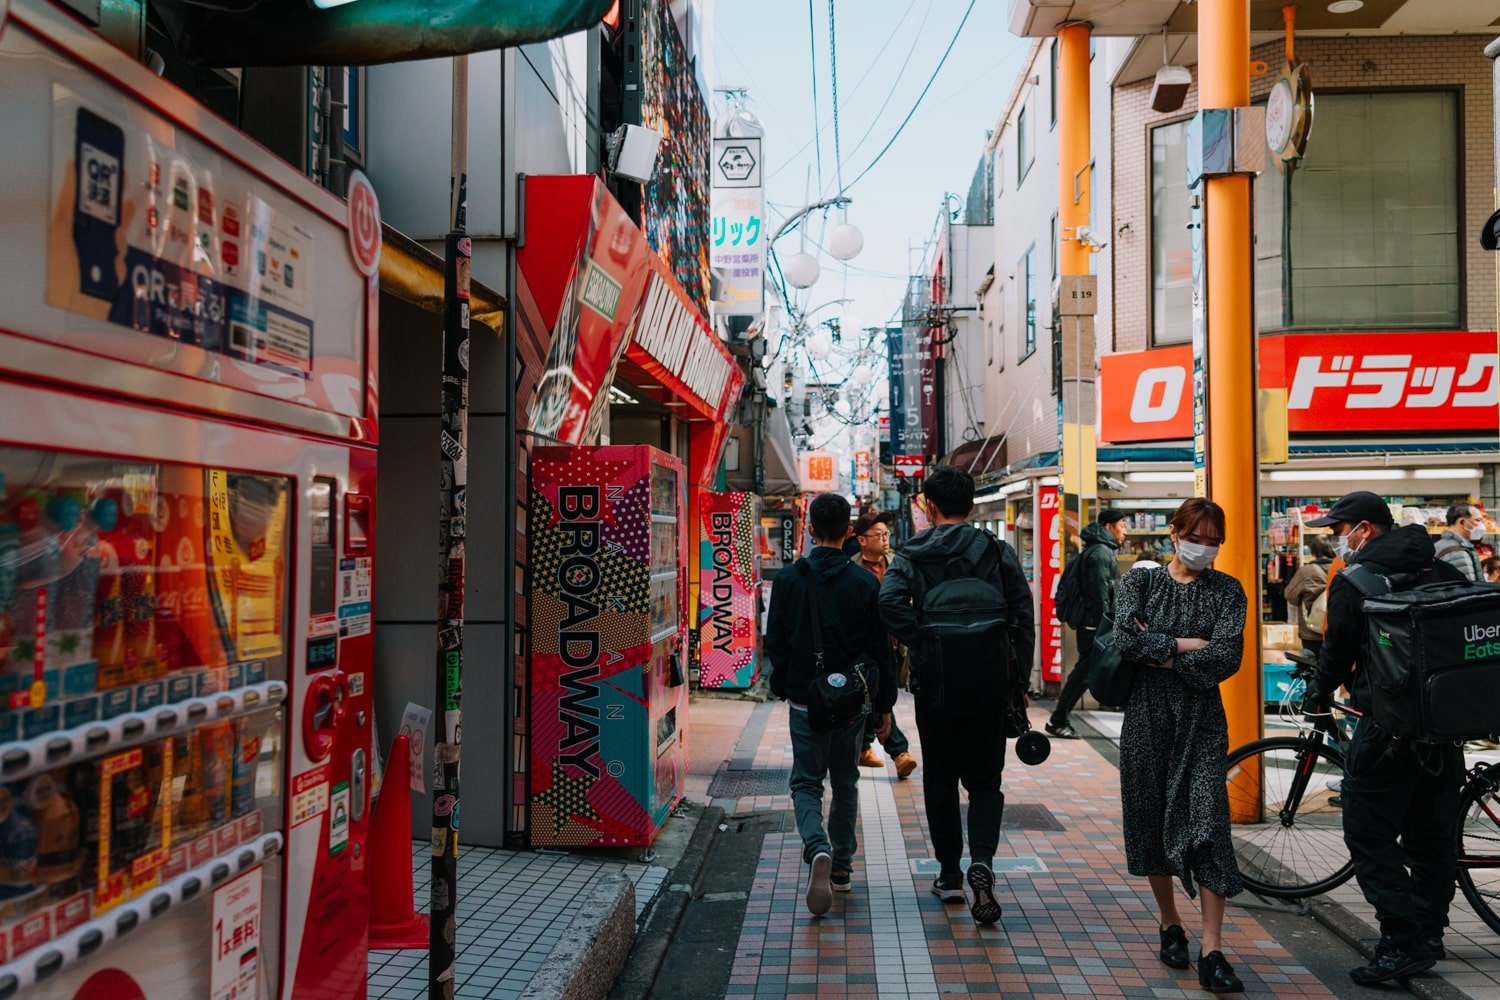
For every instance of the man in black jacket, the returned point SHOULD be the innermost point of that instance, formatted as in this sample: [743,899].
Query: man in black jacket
[968,749]
[1400,798]
[1097,571]
[850,623]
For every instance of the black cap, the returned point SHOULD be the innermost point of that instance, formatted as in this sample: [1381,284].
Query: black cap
[1352,508]
[1489,236]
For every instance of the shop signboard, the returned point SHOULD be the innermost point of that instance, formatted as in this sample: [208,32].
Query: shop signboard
[912,390]
[1049,544]
[672,343]
[818,472]
[737,231]
[1335,383]
[729,585]
[862,473]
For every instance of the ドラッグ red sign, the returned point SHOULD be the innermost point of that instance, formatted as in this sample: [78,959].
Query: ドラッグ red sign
[1335,383]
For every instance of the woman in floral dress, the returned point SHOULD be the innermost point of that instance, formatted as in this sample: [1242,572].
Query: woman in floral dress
[1183,625]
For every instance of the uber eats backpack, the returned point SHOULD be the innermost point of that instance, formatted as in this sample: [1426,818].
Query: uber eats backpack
[1069,602]
[1433,655]
[965,662]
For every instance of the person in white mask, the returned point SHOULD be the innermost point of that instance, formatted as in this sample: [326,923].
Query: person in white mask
[1456,545]
[1183,624]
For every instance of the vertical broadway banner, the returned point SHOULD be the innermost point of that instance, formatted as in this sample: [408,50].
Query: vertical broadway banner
[728,640]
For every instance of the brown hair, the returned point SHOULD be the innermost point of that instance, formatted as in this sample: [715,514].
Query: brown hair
[1195,512]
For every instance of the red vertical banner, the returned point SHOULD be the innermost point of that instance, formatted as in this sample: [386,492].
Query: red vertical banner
[1049,569]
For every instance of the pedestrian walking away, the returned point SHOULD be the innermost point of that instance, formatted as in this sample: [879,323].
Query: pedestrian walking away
[1307,591]
[844,626]
[1089,584]
[1400,797]
[873,533]
[957,598]
[1456,545]
[1183,625]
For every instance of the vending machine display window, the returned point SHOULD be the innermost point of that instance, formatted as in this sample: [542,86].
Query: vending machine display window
[143,652]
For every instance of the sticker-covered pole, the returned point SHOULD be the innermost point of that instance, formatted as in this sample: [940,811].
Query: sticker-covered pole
[452,529]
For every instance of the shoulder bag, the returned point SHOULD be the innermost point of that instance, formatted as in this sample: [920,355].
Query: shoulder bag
[838,697]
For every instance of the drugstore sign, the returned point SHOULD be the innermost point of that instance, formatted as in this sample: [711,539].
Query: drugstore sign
[1335,383]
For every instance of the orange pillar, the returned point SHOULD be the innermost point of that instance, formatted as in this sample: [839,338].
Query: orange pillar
[1073,146]
[1233,467]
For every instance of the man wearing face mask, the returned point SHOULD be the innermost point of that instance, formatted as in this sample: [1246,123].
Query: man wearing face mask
[1400,797]
[1456,545]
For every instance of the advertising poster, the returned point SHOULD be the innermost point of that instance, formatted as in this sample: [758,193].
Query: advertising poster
[737,233]
[729,583]
[1049,544]
[235,971]
[608,691]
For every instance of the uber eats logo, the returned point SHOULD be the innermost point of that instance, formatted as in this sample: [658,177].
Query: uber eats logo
[1481,642]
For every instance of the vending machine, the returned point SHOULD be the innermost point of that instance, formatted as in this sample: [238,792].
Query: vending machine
[608,711]
[186,479]
[729,596]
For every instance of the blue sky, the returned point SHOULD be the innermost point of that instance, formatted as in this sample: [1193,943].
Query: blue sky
[886,50]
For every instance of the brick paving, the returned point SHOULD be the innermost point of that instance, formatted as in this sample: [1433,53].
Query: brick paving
[1075,923]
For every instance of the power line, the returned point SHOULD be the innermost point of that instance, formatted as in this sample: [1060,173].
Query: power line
[833,73]
[895,85]
[857,84]
[812,52]
[905,121]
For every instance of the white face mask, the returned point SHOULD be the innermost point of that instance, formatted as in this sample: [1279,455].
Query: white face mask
[1476,533]
[1196,557]
[1341,547]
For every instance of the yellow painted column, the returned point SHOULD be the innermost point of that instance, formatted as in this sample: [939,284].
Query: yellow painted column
[1233,470]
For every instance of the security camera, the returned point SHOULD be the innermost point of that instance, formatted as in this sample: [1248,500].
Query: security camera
[1088,238]
[1112,484]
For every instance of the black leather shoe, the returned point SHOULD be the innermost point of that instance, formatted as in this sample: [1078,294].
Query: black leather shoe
[1392,964]
[1433,942]
[1062,730]
[1174,949]
[1216,976]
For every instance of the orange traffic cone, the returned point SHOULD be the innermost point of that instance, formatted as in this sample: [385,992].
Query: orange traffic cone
[394,922]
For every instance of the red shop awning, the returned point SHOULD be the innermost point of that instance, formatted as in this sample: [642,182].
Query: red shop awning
[594,300]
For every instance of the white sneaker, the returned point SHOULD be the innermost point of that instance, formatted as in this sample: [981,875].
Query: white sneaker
[819,892]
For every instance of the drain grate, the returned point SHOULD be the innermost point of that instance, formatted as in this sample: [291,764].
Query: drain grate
[744,784]
[766,822]
[1030,816]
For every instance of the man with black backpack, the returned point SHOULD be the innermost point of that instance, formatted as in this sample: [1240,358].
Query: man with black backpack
[828,649]
[1400,795]
[957,598]
[1085,594]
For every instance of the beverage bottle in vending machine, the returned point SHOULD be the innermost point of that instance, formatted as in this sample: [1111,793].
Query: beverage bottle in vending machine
[38,565]
[78,582]
[17,848]
[116,551]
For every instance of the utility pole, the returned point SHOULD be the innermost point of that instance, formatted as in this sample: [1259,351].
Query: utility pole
[452,530]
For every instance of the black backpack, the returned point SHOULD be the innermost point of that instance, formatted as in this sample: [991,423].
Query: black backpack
[841,693]
[1069,602]
[965,662]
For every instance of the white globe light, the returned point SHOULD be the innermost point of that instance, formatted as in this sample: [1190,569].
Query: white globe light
[841,407]
[846,241]
[862,375]
[819,345]
[883,393]
[801,270]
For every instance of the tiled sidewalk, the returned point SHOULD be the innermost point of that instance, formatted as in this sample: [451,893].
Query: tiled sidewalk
[513,907]
[1075,924]
[1473,962]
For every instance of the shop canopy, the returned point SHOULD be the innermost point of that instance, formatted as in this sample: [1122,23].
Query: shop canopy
[237,33]
[596,302]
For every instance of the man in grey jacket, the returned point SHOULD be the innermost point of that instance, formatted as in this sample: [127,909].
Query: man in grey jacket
[1456,545]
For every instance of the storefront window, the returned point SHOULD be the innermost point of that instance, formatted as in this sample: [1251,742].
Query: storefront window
[1171,244]
[1362,234]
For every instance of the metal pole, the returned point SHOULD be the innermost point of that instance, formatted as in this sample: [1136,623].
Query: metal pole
[452,529]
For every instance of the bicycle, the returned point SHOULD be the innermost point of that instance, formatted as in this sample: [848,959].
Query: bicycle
[1297,849]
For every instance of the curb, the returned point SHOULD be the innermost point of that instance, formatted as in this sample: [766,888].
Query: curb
[1362,938]
[594,949]
[661,921]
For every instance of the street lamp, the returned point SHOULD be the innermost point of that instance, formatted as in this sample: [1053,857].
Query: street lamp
[844,242]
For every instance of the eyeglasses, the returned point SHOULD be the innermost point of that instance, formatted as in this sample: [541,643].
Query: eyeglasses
[876,534]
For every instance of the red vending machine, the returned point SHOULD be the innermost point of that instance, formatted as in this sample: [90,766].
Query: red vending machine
[186,471]
[608,713]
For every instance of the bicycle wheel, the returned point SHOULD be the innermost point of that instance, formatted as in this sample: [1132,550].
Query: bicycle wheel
[1479,844]
[1297,849]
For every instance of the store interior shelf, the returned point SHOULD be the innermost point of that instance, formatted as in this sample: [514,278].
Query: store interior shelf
[24,758]
[45,961]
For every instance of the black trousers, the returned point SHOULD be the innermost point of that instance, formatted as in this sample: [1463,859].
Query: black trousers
[971,751]
[1078,679]
[1399,824]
